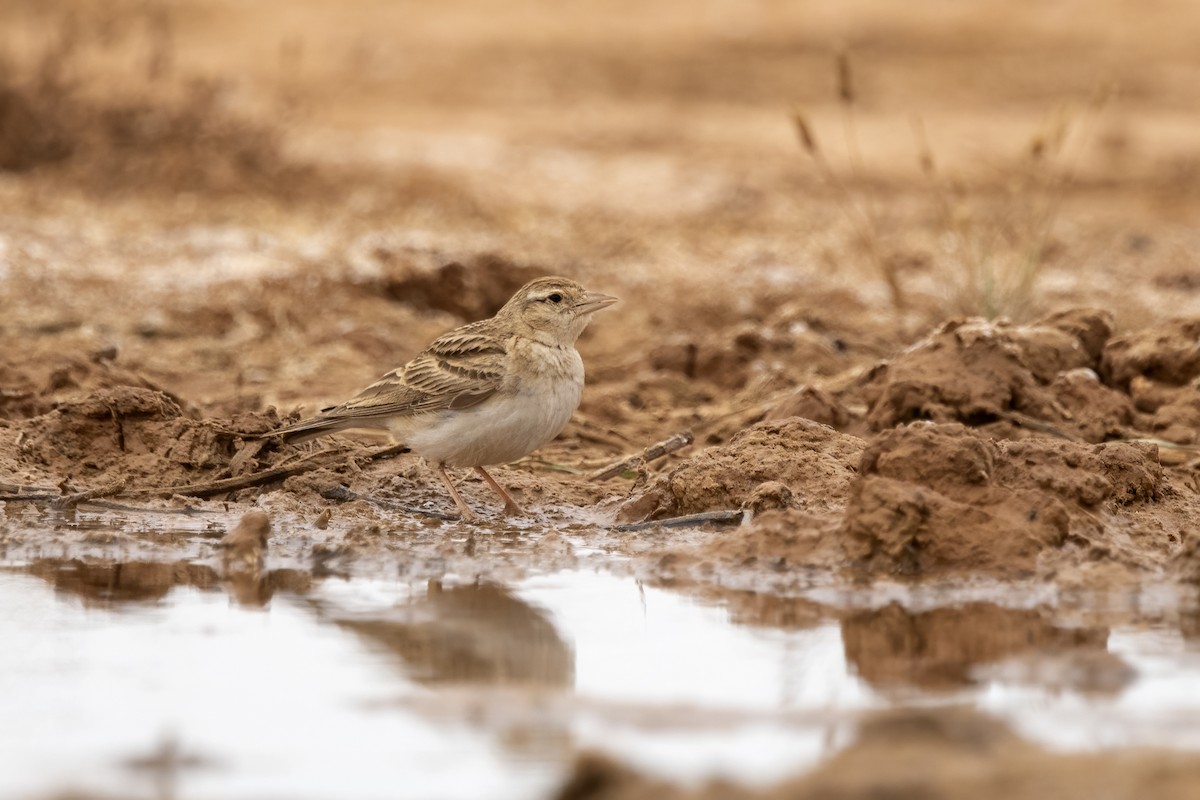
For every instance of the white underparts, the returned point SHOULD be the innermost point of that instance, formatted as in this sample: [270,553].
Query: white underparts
[510,424]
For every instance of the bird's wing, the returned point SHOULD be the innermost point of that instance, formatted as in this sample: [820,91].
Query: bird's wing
[458,370]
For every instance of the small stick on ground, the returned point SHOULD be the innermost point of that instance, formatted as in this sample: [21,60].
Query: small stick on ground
[186,512]
[21,488]
[1034,424]
[346,495]
[387,452]
[28,498]
[245,456]
[651,453]
[316,461]
[72,500]
[686,521]
[241,482]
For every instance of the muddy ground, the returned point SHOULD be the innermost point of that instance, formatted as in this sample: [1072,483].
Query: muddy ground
[922,285]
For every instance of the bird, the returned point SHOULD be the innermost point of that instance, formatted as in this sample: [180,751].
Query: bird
[486,393]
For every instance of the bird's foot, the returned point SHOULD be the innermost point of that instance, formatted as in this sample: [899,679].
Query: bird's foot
[511,508]
[464,510]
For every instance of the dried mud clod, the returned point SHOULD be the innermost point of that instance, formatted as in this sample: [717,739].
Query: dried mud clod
[731,345]
[811,403]
[1160,368]
[937,499]
[44,376]
[809,460]
[995,373]
[470,287]
[123,433]
[1167,354]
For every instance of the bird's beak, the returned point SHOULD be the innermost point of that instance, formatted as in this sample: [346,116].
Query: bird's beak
[594,301]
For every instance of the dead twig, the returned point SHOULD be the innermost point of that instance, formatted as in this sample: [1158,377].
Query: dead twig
[224,485]
[243,459]
[651,453]
[72,500]
[186,512]
[686,521]
[342,494]
[1034,424]
[241,482]
[21,488]
[589,430]
[552,466]
[56,499]
[314,462]
[386,452]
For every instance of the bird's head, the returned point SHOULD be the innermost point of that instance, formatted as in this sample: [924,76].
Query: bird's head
[554,310]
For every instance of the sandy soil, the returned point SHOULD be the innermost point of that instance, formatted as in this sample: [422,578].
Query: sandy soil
[971,353]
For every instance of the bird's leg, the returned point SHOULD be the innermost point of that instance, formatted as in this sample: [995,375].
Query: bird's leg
[510,506]
[463,508]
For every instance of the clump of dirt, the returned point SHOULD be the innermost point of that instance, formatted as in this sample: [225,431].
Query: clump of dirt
[787,542]
[1160,368]
[1189,560]
[727,358]
[47,375]
[471,287]
[932,499]
[730,344]
[124,433]
[811,403]
[813,462]
[995,373]
[1093,411]
[1165,354]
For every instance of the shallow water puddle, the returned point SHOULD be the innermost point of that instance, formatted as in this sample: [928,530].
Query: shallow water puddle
[146,680]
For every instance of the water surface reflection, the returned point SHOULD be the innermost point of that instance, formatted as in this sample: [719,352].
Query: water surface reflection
[273,682]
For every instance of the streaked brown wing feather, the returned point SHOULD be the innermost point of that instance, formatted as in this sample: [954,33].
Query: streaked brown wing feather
[458,370]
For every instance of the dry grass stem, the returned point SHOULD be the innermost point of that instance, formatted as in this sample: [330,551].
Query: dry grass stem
[855,204]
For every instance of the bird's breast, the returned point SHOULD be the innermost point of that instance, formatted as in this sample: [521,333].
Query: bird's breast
[532,407]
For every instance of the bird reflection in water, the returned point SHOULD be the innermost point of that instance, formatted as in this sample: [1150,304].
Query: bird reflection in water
[478,633]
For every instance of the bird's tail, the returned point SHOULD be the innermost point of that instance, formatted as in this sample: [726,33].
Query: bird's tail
[307,429]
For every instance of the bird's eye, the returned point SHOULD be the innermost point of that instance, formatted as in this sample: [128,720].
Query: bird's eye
[555,298]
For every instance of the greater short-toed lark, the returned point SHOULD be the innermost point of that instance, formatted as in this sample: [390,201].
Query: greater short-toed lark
[487,393]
